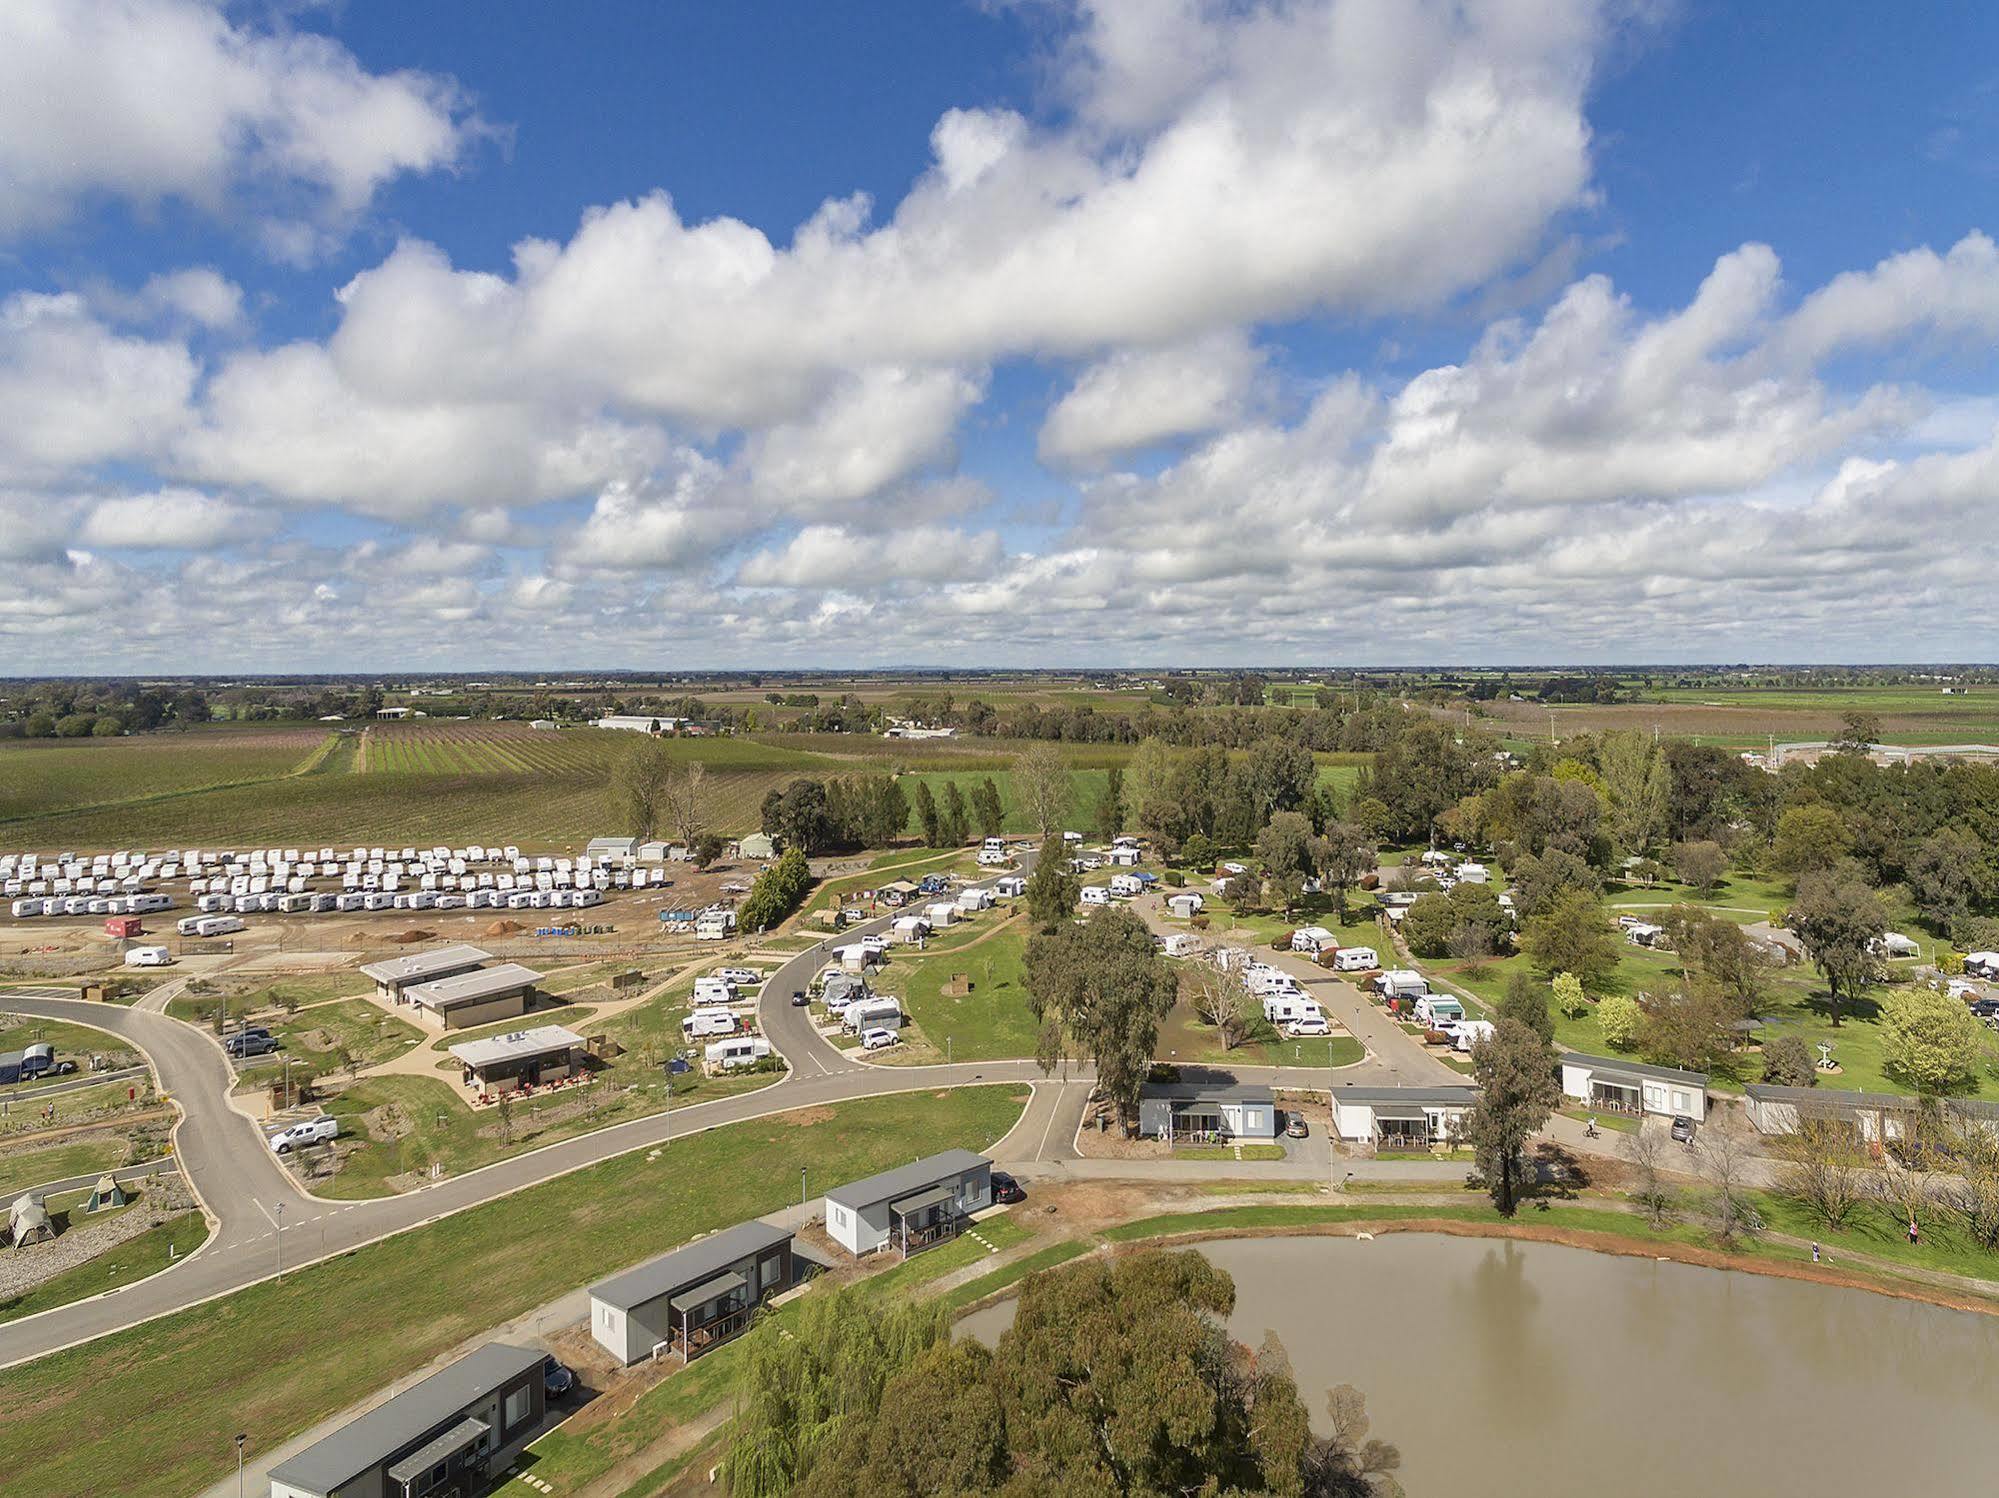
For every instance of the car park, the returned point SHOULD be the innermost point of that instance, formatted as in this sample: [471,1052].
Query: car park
[306,1132]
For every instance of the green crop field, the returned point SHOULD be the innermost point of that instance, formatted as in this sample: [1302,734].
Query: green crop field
[1749,716]
[39,777]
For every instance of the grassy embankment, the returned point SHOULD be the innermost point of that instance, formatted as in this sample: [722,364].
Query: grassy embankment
[158,1404]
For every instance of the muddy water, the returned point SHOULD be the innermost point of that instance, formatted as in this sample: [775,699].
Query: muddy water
[1504,1368]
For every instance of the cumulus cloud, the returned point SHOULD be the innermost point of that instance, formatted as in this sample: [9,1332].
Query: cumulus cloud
[73,393]
[1954,295]
[198,296]
[149,100]
[1140,397]
[831,557]
[171,519]
[876,428]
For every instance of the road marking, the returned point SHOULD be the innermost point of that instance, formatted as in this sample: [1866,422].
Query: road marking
[1054,1112]
[265,1210]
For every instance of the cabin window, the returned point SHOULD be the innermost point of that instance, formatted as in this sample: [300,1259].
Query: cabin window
[518,1406]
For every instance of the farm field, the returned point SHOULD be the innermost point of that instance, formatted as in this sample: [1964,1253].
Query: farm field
[41,776]
[1749,717]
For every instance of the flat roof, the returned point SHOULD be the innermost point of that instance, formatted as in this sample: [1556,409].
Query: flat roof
[905,1180]
[1833,1097]
[418,966]
[707,1290]
[469,988]
[1635,1068]
[1373,1095]
[687,1265]
[371,1438]
[921,1199]
[1208,1092]
[516,1044]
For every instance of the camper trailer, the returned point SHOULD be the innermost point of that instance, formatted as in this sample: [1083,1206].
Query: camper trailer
[872,1014]
[1313,940]
[1355,960]
[1401,983]
[709,1022]
[736,1052]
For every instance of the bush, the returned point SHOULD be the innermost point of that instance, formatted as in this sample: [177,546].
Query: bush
[1787,1062]
[1621,1019]
[1174,878]
[1569,995]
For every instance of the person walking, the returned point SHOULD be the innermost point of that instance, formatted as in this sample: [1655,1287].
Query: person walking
[1815,1253]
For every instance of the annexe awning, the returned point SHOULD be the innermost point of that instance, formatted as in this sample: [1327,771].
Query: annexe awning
[904,1206]
[703,1293]
[1399,1113]
[461,1437]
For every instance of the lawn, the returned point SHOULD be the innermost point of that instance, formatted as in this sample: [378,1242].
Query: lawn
[1228,1152]
[58,1162]
[159,1403]
[990,1022]
[1185,1037]
[329,1039]
[125,1264]
[21,1112]
[72,1042]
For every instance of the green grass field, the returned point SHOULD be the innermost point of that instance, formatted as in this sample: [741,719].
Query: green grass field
[989,1023]
[58,1162]
[158,1404]
[125,1264]
[330,1039]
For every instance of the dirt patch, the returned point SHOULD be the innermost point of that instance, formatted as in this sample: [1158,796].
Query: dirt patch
[504,928]
[387,1123]
[805,1118]
[409,938]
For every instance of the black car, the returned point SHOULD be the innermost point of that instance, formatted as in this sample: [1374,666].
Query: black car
[798,999]
[1683,1129]
[1985,1008]
[556,1379]
[1006,1188]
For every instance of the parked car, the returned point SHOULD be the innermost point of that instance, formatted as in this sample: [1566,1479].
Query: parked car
[1006,1188]
[1985,1008]
[556,1378]
[1683,1129]
[1294,1128]
[250,1043]
[310,1131]
[877,1040]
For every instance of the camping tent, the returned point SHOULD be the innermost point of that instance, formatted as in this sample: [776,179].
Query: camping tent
[28,1220]
[107,1193]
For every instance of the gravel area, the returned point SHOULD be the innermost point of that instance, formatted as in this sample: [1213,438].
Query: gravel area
[161,1198]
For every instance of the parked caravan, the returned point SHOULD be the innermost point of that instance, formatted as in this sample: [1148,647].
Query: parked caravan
[1182,944]
[735,1052]
[1439,1011]
[872,1014]
[148,957]
[1313,940]
[1095,894]
[1355,960]
[218,925]
[1470,1032]
[709,1022]
[1401,983]
[713,989]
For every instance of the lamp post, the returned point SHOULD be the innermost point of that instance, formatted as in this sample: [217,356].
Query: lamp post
[240,1439]
[801,1185]
[281,1236]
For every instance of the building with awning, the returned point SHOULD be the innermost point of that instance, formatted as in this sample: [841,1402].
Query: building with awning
[911,1207]
[449,1433]
[1220,1110]
[519,1058]
[476,998]
[1401,1118]
[692,1300]
[1633,1087]
[399,973]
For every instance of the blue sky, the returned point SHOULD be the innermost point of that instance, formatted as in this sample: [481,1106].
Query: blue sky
[1114,331]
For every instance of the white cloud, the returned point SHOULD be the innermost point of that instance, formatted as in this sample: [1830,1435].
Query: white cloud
[875,429]
[1140,397]
[1950,295]
[171,519]
[74,394]
[831,557]
[198,295]
[149,100]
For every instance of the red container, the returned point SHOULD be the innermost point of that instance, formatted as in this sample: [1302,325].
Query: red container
[123,925]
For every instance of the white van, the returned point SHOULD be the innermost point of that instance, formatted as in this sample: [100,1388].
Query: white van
[709,1022]
[1308,1025]
[1355,960]
[148,957]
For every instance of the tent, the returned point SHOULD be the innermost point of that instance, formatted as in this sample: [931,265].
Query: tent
[28,1220]
[107,1193]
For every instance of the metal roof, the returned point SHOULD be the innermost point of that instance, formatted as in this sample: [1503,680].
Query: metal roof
[905,1179]
[707,1290]
[1834,1098]
[469,988]
[690,1264]
[1374,1095]
[376,1436]
[904,1205]
[1208,1092]
[515,1044]
[435,1450]
[418,966]
[1635,1068]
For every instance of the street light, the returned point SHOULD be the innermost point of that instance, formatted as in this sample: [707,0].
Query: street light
[281,1236]
[801,1185]
[240,1439]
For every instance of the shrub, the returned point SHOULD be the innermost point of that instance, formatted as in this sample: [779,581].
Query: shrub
[1569,995]
[1787,1062]
[1621,1019]
[1174,878]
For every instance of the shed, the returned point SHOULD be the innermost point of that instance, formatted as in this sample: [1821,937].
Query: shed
[1230,1110]
[617,849]
[694,1298]
[449,1432]
[912,1207]
[476,998]
[758,845]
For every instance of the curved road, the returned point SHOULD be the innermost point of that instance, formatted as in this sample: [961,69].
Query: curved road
[247,1194]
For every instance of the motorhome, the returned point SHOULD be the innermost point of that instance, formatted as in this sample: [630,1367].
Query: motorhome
[1095,894]
[1290,1008]
[1313,940]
